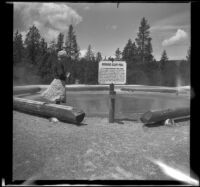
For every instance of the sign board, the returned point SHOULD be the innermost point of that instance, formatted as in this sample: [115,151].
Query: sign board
[112,72]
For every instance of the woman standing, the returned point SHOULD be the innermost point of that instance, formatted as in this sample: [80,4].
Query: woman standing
[56,91]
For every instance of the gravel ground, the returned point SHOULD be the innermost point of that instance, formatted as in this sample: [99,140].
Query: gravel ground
[96,149]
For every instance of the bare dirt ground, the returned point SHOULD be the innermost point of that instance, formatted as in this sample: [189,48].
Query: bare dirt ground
[96,149]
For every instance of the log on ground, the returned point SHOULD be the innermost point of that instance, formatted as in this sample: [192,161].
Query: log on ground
[161,115]
[61,112]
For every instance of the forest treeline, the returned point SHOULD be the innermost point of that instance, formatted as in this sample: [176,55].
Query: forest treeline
[33,60]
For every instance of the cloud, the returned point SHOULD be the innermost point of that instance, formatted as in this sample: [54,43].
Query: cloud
[49,18]
[83,52]
[178,36]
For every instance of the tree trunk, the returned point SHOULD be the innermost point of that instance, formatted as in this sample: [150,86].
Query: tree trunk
[157,116]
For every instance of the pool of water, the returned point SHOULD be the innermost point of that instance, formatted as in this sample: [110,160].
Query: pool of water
[96,104]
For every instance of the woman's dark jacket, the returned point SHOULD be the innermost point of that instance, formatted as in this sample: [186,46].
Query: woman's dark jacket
[59,71]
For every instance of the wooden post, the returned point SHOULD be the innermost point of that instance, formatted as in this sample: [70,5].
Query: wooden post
[66,82]
[112,95]
[65,95]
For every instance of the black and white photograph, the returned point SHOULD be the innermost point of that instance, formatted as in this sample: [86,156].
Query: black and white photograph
[101,92]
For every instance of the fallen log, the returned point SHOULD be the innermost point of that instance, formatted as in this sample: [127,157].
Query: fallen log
[161,115]
[17,91]
[61,112]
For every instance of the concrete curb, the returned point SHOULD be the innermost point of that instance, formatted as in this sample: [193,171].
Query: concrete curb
[127,88]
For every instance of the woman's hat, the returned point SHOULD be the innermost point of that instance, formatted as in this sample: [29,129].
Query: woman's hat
[62,53]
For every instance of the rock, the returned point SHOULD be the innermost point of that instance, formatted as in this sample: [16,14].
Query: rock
[53,120]
[169,122]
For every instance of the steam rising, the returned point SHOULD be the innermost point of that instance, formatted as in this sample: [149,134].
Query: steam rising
[25,75]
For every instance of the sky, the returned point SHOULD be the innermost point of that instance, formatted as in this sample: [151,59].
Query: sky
[106,27]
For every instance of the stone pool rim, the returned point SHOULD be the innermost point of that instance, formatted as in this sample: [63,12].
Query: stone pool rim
[83,87]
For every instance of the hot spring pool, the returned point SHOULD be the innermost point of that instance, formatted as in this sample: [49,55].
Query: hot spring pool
[96,103]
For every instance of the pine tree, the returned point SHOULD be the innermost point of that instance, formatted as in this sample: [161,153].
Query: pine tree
[32,44]
[98,57]
[18,48]
[47,61]
[118,54]
[164,57]
[71,45]
[60,42]
[163,60]
[143,41]
[89,56]
[167,70]
[43,46]
[130,53]
[148,51]
[42,66]
[127,52]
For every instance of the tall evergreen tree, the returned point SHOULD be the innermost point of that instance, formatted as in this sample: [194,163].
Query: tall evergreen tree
[98,57]
[164,59]
[71,45]
[148,51]
[127,52]
[143,41]
[89,56]
[32,44]
[130,53]
[18,48]
[41,61]
[47,62]
[169,70]
[118,54]
[43,46]
[60,42]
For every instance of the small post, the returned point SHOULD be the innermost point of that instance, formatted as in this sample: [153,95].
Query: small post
[66,82]
[65,96]
[112,95]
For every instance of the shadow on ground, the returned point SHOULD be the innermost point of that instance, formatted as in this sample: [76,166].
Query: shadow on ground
[162,123]
[121,120]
